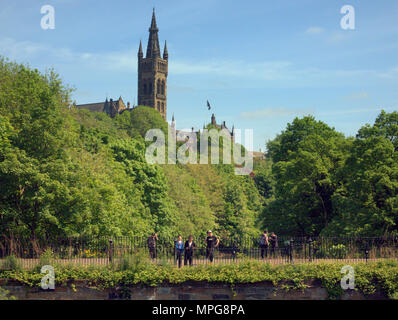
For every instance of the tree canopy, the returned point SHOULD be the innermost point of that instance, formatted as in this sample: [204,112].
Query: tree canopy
[71,172]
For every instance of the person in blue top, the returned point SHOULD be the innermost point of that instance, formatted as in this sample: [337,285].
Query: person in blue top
[179,250]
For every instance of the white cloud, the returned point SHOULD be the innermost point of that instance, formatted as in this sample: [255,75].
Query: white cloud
[27,51]
[267,70]
[358,95]
[355,111]
[272,112]
[339,37]
[389,74]
[233,73]
[19,50]
[314,30]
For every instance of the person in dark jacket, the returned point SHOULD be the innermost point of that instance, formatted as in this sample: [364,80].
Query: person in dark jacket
[189,249]
[273,240]
[151,242]
[179,250]
[264,243]
[211,243]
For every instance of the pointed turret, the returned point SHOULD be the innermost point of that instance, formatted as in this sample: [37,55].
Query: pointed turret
[153,22]
[140,54]
[173,125]
[153,48]
[213,120]
[165,52]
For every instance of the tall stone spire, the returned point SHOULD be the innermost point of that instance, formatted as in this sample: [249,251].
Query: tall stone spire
[153,48]
[153,22]
[165,52]
[152,73]
[140,54]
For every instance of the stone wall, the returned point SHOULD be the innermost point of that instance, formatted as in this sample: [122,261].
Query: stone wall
[81,290]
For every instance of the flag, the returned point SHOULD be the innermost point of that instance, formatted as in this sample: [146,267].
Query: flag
[208,105]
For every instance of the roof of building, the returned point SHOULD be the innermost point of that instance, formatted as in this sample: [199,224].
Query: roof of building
[257,154]
[94,107]
[106,106]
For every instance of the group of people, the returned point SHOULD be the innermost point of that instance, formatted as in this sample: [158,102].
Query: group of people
[185,249]
[267,241]
[188,248]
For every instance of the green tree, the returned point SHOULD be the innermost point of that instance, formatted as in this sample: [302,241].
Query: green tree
[141,119]
[305,158]
[367,200]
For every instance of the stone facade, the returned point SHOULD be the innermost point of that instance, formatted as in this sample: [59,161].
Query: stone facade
[213,122]
[111,107]
[152,73]
[81,290]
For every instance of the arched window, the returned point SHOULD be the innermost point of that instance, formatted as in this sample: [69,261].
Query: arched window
[158,106]
[150,88]
[163,87]
[162,107]
[144,88]
[158,87]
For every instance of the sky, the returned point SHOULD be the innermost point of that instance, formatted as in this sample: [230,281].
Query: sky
[259,63]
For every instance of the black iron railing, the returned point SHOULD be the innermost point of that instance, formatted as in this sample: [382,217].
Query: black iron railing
[106,250]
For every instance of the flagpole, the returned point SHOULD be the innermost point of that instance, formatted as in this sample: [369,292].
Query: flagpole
[208,106]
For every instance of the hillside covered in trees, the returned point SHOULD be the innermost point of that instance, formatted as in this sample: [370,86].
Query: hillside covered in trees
[69,172]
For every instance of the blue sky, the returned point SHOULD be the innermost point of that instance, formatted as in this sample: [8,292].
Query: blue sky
[259,63]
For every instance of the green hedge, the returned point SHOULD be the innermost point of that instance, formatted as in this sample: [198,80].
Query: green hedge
[369,277]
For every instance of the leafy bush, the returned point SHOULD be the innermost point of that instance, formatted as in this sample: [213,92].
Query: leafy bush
[369,277]
[133,262]
[46,258]
[4,295]
[338,251]
[11,263]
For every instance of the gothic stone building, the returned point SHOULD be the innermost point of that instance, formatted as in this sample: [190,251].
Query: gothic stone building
[152,73]
[152,80]
[152,83]
[111,107]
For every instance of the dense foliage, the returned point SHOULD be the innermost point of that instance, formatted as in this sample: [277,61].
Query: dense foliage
[324,183]
[369,277]
[70,172]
